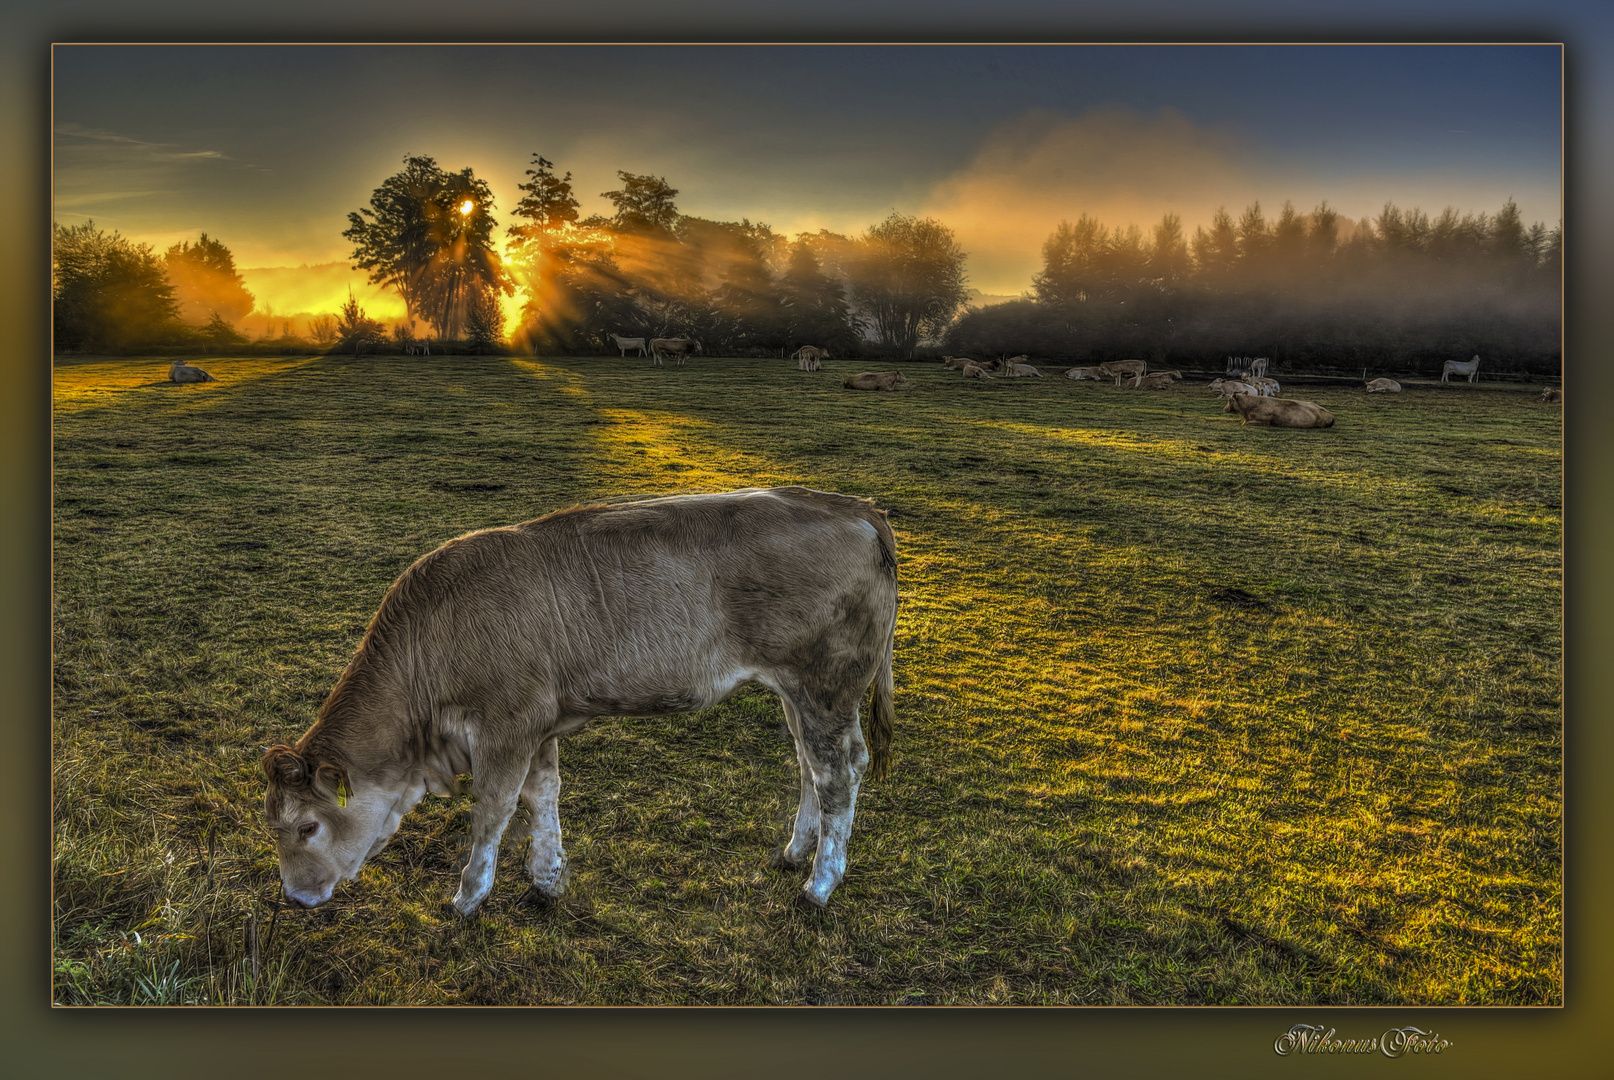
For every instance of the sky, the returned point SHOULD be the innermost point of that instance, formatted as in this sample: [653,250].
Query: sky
[268,148]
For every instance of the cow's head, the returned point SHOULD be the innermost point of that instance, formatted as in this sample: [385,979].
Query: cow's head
[324,828]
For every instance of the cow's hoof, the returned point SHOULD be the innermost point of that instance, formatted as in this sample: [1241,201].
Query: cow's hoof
[465,910]
[537,899]
[779,860]
[808,903]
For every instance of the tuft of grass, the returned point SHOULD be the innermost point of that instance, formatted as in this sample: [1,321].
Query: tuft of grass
[1188,712]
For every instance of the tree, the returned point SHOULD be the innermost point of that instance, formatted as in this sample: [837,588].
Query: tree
[909,277]
[220,334]
[205,281]
[356,331]
[322,330]
[429,236]
[815,308]
[644,205]
[484,322]
[1168,259]
[107,292]
[535,249]
[1071,256]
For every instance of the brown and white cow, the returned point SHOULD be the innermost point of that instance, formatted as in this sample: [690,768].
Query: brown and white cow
[182,372]
[1384,386]
[875,380]
[810,357]
[1280,412]
[680,347]
[487,650]
[1119,369]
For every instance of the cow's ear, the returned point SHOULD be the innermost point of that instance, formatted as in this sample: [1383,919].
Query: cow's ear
[282,763]
[333,781]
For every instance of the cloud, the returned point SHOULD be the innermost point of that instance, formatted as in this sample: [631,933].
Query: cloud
[1117,165]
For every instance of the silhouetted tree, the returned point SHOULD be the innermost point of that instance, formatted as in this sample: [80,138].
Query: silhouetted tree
[1168,258]
[356,331]
[428,234]
[219,334]
[909,278]
[205,281]
[107,292]
[484,322]
[815,307]
[644,205]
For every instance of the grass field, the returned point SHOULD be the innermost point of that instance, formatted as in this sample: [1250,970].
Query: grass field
[1187,712]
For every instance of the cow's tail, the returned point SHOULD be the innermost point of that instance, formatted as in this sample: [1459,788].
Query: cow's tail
[883,723]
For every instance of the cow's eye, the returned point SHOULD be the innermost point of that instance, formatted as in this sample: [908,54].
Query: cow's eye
[305,831]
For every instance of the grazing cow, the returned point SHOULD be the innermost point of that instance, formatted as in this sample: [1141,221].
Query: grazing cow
[1157,381]
[626,343]
[1280,412]
[875,380]
[975,371]
[1258,367]
[1080,373]
[1016,370]
[182,372]
[1552,395]
[1384,386]
[1119,369]
[488,649]
[680,347]
[1458,367]
[810,352]
[809,363]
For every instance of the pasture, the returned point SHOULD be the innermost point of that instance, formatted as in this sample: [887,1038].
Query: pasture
[1187,712]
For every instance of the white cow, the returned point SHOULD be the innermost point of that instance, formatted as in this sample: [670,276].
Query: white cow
[626,343]
[1458,367]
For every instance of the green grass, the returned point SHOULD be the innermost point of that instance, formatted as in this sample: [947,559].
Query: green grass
[1187,712]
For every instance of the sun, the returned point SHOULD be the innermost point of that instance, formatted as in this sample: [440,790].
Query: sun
[467,206]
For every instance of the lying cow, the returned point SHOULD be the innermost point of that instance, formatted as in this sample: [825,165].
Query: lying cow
[1156,381]
[1460,367]
[875,380]
[1228,387]
[1080,373]
[488,649]
[1264,387]
[955,363]
[1552,395]
[1119,369]
[1017,370]
[626,343]
[1384,386]
[975,371]
[182,372]
[1280,412]
[680,347]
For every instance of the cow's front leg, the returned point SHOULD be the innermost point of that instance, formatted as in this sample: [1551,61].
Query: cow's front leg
[496,784]
[546,860]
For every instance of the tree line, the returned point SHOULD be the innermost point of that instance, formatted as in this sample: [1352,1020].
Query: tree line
[1403,290]
[1307,289]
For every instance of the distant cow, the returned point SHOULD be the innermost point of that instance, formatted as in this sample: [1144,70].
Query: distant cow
[1552,395]
[1384,386]
[626,343]
[1080,373]
[809,363]
[875,380]
[680,347]
[1258,367]
[1280,412]
[1016,370]
[956,363]
[810,352]
[488,649]
[1459,367]
[1228,387]
[1264,387]
[1119,369]
[1157,381]
[975,371]
[182,372]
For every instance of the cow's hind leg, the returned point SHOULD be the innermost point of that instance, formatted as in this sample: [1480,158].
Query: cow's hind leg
[546,860]
[835,748]
[498,773]
[804,837]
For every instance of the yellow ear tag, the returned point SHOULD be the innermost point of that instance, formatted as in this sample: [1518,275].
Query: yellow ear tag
[341,791]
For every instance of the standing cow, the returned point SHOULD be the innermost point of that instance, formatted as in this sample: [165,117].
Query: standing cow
[680,347]
[490,648]
[1460,367]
